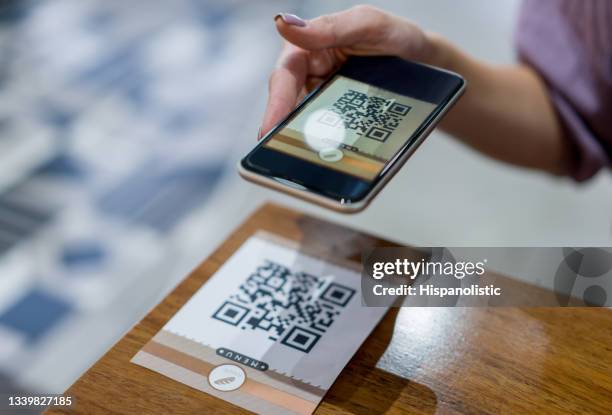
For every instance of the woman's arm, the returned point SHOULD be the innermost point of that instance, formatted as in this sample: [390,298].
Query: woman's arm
[505,113]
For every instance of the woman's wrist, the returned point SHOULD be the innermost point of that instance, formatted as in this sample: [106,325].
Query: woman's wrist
[440,52]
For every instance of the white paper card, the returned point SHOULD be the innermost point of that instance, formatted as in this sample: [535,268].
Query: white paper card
[287,320]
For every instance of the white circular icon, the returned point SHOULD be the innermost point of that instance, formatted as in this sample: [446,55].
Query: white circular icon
[226,377]
[331,154]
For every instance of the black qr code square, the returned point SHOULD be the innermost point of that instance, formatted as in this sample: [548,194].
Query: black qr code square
[369,116]
[231,313]
[301,339]
[399,109]
[338,294]
[294,308]
[376,133]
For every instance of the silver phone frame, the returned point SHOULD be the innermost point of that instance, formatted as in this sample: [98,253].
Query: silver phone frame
[393,166]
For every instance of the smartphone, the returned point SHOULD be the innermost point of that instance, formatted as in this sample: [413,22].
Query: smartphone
[348,137]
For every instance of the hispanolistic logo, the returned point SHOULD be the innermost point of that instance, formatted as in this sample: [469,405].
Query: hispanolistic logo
[226,377]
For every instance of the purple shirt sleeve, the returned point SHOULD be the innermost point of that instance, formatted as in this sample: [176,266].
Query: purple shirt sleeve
[569,43]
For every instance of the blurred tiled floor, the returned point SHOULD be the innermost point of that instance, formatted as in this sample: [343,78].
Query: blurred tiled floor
[117,124]
[135,117]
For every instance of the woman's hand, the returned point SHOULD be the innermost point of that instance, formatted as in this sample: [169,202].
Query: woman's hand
[315,48]
[505,113]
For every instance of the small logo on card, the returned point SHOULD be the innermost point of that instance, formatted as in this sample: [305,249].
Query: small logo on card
[226,377]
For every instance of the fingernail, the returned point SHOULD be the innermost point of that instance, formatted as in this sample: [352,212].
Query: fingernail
[259,133]
[291,19]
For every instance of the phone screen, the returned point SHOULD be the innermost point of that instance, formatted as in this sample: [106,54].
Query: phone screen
[351,127]
[341,142]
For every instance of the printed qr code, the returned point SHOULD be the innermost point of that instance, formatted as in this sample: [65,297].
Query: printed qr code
[370,116]
[295,307]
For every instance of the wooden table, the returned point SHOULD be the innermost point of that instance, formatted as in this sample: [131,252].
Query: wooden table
[418,360]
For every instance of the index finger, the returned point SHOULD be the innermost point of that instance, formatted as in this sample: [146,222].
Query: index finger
[286,82]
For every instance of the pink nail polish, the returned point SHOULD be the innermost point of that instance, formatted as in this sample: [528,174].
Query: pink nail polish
[291,19]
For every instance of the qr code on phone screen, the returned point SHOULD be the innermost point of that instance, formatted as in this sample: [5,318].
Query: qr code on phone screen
[295,307]
[369,116]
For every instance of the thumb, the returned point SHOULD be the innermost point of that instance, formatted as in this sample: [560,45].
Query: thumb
[360,30]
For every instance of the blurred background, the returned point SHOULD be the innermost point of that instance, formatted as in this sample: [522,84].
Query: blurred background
[120,127]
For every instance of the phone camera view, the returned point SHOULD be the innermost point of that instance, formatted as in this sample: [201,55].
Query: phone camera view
[352,127]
